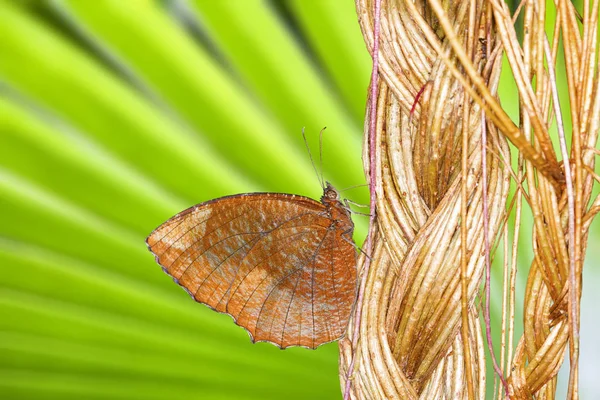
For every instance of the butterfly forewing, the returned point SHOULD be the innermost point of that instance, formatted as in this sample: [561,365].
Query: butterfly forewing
[283,266]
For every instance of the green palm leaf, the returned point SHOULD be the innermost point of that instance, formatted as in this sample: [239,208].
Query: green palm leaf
[115,115]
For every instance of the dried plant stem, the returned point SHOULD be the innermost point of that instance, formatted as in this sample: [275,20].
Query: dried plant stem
[573,311]
[574,204]
[505,305]
[463,263]
[493,109]
[463,216]
[488,265]
[513,263]
[437,309]
[439,172]
[372,194]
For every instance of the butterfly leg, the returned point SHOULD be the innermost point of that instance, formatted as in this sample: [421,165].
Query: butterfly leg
[347,236]
[347,206]
[348,201]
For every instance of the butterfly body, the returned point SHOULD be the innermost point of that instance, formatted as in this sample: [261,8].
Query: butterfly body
[283,266]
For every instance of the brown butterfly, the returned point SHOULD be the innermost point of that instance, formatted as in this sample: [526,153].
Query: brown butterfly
[283,266]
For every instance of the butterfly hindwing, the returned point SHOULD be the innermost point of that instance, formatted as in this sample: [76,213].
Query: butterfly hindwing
[272,261]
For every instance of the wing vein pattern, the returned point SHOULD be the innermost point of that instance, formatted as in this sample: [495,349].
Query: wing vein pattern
[277,263]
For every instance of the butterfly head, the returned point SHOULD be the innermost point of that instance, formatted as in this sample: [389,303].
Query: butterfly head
[330,193]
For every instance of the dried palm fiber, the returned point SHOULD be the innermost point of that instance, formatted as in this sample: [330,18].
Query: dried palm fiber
[410,344]
[551,309]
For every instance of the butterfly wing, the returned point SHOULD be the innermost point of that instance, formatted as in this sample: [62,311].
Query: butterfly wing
[277,263]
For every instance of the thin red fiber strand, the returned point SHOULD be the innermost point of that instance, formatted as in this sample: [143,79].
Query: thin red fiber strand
[372,198]
[488,265]
[417,97]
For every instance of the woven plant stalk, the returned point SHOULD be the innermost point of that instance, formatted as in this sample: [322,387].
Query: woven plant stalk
[437,120]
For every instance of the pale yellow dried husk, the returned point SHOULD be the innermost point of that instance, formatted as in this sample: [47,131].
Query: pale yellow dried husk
[410,339]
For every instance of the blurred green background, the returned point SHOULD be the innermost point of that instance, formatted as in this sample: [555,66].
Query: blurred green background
[115,115]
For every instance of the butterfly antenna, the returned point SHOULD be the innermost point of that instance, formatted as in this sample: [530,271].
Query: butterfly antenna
[353,187]
[321,152]
[319,177]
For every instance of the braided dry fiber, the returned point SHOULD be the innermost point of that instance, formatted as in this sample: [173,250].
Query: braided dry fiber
[411,343]
[563,214]
[410,339]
